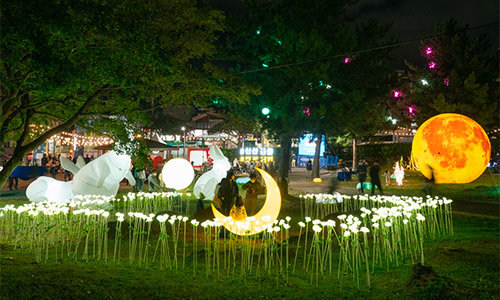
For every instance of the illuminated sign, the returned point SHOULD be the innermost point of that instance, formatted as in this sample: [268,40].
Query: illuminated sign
[255,153]
[307,145]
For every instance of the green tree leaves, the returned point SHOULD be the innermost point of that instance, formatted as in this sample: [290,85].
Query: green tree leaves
[66,61]
[462,80]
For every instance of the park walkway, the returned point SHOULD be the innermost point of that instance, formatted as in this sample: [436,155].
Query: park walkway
[300,185]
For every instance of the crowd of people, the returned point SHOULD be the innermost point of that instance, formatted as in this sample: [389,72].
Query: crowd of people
[247,167]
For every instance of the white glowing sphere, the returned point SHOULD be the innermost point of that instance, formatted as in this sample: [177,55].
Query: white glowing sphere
[177,174]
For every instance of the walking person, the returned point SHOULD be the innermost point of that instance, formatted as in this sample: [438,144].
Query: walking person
[134,174]
[309,169]
[429,184]
[387,176]
[228,192]
[45,160]
[253,188]
[141,176]
[13,181]
[374,178]
[361,170]
[154,184]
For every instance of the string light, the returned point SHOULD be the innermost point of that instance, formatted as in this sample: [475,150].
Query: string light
[402,131]
[69,138]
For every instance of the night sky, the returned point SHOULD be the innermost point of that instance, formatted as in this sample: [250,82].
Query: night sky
[415,19]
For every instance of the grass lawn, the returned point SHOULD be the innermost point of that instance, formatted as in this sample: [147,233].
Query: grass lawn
[465,265]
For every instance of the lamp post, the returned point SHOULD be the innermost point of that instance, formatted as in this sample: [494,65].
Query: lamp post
[184,150]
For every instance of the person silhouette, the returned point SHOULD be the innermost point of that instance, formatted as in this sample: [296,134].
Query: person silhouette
[374,178]
[429,183]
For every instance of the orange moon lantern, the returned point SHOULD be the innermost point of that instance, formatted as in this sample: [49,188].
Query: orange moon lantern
[454,146]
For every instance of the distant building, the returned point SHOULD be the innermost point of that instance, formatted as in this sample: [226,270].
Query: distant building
[398,135]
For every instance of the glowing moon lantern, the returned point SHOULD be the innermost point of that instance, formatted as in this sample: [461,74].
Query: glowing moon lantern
[454,146]
[177,174]
[265,217]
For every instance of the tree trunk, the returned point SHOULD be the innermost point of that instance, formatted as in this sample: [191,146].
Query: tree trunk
[284,164]
[12,163]
[354,154]
[23,149]
[315,171]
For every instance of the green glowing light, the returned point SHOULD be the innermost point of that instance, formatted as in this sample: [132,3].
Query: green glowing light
[266,111]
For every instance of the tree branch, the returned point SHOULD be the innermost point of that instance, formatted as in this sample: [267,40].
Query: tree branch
[66,125]
[26,77]
[147,109]
[25,132]
[47,114]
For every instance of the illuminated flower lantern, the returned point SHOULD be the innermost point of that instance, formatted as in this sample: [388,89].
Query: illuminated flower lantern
[453,147]
[207,182]
[399,173]
[177,174]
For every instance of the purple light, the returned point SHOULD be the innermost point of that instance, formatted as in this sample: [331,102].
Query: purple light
[411,110]
[428,50]
[446,81]
[306,111]
[397,94]
[432,65]
[347,60]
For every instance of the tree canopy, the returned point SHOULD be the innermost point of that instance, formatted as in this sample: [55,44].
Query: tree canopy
[312,74]
[459,77]
[66,61]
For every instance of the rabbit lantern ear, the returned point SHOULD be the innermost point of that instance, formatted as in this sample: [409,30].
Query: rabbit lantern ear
[216,153]
[68,165]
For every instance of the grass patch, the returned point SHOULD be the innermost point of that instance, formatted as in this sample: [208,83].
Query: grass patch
[484,188]
[466,264]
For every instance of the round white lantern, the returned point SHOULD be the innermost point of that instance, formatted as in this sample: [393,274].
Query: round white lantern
[177,174]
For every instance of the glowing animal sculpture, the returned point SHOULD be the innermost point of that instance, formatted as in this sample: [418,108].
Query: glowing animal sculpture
[101,176]
[207,182]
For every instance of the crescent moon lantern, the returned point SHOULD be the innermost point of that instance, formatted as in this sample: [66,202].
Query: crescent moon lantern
[265,217]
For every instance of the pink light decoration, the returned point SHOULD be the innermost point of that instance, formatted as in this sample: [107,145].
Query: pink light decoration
[306,111]
[397,94]
[432,65]
[446,81]
[347,60]
[411,110]
[428,50]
